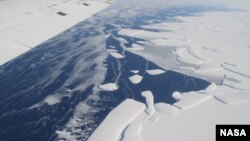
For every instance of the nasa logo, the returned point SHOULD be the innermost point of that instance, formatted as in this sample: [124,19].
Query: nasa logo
[230,132]
[236,132]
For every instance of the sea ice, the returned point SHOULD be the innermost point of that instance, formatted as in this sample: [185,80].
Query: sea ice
[155,71]
[132,133]
[134,71]
[116,55]
[135,47]
[117,120]
[109,87]
[177,95]
[149,102]
[65,135]
[135,79]
[232,84]
[191,99]
[111,50]
[166,109]
[113,47]
[235,98]
[53,99]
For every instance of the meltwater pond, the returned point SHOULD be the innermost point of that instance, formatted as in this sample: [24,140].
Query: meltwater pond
[52,92]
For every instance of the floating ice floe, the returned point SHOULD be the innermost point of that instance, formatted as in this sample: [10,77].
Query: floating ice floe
[149,102]
[113,47]
[109,87]
[135,79]
[107,35]
[53,99]
[155,71]
[117,120]
[134,71]
[69,90]
[177,95]
[116,55]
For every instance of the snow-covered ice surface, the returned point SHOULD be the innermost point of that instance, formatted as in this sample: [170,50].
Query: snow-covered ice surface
[109,87]
[135,79]
[135,71]
[212,45]
[55,91]
[116,55]
[191,99]
[167,109]
[117,121]
[149,102]
[155,71]
[135,47]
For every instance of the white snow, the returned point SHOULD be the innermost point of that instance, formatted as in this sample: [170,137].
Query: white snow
[155,71]
[197,123]
[109,87]
[186,57]
[65,135]
[134,71]
[236,70]
[167,109]
[204,42]
[194,122]
[191,99]
[177,95]
[135,47]
[149,102]
[211,46]
[111,50]
[135,79]
[117,120]
[107,35]
[132,133]
[235,98]
[116,55]
[233,85]
[24,24]
[53,99]
[113,47]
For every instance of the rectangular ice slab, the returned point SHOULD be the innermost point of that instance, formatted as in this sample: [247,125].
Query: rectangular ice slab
[116,121]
